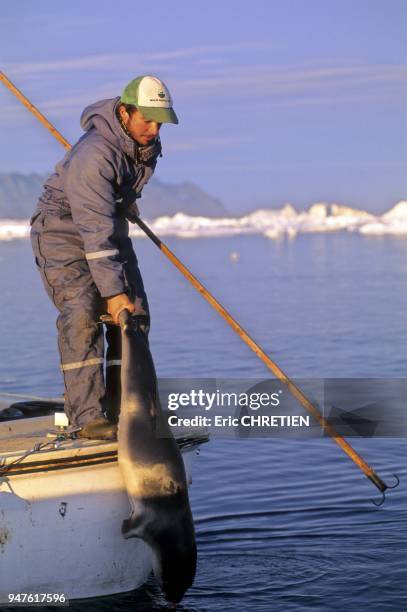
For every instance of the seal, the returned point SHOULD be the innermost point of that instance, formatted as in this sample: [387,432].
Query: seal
[152,468]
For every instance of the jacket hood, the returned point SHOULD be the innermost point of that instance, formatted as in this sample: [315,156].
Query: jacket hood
[102,116]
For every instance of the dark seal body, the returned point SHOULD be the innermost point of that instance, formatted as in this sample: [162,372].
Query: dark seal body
[153,469]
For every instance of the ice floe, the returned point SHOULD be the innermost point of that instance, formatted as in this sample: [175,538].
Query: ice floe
[271,223]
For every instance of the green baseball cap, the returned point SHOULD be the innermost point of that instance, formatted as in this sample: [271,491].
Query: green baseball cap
[152,98]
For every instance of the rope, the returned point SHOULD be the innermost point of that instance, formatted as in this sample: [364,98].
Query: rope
[38,447]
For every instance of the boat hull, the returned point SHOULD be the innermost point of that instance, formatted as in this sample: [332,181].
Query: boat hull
[60,524]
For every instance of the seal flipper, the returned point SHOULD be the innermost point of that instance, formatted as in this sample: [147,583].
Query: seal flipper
[134,526]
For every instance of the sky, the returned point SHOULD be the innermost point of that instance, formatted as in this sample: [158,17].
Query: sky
[279,101]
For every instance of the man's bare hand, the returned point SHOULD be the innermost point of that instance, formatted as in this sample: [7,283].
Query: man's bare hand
[118,303]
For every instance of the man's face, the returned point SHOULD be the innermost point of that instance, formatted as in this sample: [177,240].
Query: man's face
[141,129]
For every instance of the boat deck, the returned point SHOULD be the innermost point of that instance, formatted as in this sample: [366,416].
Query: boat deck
[35,440]
[22,435]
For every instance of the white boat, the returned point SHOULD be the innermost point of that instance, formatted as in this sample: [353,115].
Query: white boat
[61,510]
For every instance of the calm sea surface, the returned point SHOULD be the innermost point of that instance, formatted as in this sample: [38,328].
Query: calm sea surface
[282,524]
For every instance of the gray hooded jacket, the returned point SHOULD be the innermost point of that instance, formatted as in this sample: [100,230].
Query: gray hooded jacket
[97,183]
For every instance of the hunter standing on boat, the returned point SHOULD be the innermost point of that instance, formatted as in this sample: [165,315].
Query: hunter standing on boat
[82,249]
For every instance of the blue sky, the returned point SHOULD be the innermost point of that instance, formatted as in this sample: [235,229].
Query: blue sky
[279,101]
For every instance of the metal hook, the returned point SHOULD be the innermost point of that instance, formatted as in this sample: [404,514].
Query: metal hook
[383,499]
[397,482]
[381,502]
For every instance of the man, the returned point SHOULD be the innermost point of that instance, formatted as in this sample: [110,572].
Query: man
[80,240]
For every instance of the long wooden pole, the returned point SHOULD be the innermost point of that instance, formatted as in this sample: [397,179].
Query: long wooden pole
[277,371]
[34,110]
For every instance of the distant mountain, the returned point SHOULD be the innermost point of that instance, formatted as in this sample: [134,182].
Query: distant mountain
[19,194]
[160,199]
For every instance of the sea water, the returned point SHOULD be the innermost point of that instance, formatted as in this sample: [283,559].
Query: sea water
[282,523]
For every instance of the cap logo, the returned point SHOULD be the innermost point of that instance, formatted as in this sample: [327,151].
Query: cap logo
[161,94]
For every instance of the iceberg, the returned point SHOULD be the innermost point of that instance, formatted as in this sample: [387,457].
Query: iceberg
[10,229]
[274,224]
[397,213]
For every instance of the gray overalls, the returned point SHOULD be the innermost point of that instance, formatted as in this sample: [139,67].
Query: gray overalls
[80,239]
